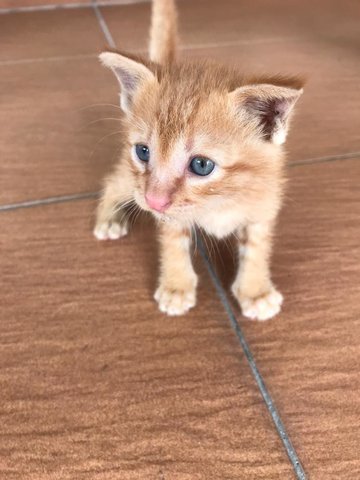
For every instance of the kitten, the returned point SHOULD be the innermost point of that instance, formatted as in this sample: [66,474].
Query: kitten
[203,149]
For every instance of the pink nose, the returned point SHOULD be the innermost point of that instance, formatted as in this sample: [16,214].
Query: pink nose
[158,203]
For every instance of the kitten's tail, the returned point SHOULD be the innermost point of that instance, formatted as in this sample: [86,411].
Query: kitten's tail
[163,32]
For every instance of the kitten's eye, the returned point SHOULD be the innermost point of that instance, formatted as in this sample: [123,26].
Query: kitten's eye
[142,152]
[201,166]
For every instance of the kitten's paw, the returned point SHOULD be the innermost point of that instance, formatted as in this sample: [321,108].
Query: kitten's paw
[263,307]
[110,230]
[175,301]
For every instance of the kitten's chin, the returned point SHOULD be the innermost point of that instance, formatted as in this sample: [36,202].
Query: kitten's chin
[168,217]
[164,217]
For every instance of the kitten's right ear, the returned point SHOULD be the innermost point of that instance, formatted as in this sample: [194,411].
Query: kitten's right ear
[132,75]
[271,106]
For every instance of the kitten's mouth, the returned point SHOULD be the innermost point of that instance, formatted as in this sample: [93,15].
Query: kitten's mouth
[163,217]
[171,214]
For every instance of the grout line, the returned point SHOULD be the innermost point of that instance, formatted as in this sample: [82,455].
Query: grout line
[329,158]
[290,450]
[114,3]
[83,196]
[21,61]
[66,6]
[103,26]
[44,8]
[48,201]
[108,36]
[234,43]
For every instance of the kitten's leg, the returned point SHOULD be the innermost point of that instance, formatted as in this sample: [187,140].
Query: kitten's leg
[253,288]
[111,222]
[177,284]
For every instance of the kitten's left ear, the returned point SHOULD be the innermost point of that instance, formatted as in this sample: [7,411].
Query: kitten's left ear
[131,74]
[270,106]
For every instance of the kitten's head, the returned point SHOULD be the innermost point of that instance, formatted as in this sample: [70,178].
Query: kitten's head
[201,136]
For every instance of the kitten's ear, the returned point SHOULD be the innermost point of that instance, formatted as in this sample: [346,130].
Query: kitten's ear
[270,106]
[132,75]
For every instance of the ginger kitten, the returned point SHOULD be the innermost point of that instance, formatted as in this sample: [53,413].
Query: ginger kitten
[203,149]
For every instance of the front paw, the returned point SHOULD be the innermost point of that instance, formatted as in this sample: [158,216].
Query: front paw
[175,301]
[261,307]
[110,230]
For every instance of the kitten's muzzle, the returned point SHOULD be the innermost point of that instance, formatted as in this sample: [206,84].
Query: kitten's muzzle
[159,203]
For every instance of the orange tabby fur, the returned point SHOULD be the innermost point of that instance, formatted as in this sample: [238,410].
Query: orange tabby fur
[182,109]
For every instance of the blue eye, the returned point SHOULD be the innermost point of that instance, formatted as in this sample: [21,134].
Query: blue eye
[201,166]
[142,152]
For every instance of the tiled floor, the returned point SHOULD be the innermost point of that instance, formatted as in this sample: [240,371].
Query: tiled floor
[95,382]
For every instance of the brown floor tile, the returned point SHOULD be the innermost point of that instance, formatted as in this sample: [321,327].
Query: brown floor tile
[129,25]
[211,21]
[51,143]
[97,383]
[310,355]
[49,34]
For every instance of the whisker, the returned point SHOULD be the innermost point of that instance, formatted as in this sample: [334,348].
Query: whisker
[121,206]
[203,236]
[98,105]
[137,214]
[228,244]
[126,202]
[102,139]
[132,214]
[101,120]
[194,235]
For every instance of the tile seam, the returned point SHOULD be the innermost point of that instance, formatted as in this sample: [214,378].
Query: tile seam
[83,196]
[325,159]
[103,25]
[67,6]
[48,201]
[200,46]
[59,58]
[279,425]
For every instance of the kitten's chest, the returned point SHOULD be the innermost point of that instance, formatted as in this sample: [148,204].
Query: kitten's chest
[221,223]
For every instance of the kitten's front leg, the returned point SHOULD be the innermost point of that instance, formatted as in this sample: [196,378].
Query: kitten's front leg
[176,293]
[111,222]
[258,298]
